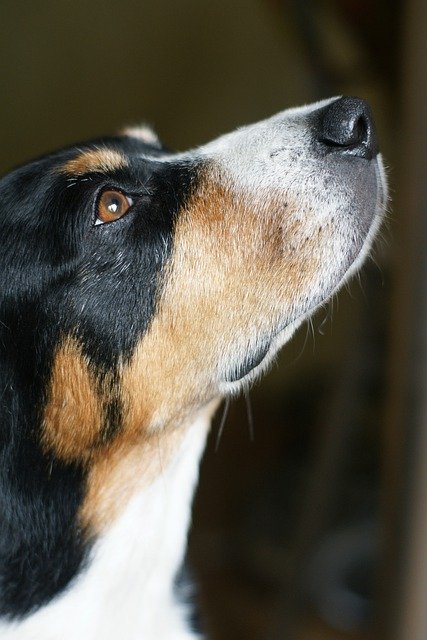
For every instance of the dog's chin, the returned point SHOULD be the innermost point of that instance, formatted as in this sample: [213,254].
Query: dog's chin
[256,362]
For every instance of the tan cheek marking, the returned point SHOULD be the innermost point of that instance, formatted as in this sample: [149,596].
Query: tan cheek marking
[94,160]
[73,415]
[230,276]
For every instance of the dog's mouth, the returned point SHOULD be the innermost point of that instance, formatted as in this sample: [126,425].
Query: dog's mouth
[250,362]
[257,360]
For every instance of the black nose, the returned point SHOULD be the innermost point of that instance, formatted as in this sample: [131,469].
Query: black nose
[346,126]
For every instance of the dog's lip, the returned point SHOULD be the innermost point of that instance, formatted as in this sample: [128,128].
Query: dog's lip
[245,371]
[266,344]
[251,362]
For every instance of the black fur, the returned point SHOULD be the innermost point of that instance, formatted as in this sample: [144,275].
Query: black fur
[60,275]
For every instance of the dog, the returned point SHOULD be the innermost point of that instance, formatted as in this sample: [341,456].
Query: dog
[138,288]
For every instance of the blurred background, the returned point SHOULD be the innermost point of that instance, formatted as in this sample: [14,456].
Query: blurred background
[309,520]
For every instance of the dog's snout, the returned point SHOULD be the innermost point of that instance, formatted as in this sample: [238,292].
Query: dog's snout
[346,126]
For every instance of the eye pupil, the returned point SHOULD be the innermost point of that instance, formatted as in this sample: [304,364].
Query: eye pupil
[112,205]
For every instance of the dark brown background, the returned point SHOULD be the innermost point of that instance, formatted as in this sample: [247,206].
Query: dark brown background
[336,430]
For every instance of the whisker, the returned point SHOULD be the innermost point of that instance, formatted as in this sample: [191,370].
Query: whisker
[320,328]
[250,415]
[379,269]
[301,351]
[222,424]
[313,336]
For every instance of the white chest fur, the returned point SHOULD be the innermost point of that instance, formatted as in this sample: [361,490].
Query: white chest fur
[126,593]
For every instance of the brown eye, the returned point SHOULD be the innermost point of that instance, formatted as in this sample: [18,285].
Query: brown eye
[112,205]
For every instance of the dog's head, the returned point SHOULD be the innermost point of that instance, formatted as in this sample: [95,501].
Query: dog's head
[139,285]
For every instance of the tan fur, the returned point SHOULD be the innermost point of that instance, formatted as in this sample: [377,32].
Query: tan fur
[94,160]
[73,415]
[118,471]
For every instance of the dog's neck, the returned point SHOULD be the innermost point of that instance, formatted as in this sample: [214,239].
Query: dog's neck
[128,587]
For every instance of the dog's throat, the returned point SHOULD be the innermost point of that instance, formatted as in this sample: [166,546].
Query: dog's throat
[250,362]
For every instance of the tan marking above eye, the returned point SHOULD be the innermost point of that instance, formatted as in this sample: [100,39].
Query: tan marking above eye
[112,205]
[103,160]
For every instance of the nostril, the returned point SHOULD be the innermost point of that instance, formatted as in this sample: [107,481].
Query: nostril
[348,132]
[345,131]
[360,129]
[346,126]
